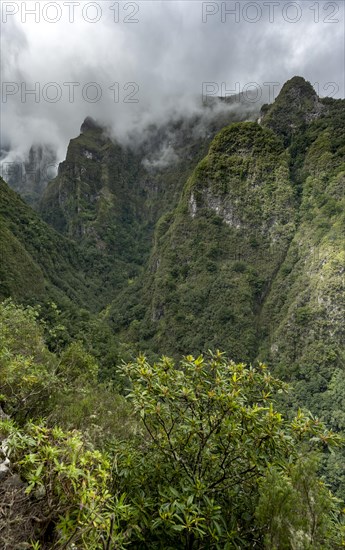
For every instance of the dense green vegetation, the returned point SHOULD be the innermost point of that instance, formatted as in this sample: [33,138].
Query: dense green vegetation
[196,456]
[235,243]
[36,261]
[40,267]
[205,272]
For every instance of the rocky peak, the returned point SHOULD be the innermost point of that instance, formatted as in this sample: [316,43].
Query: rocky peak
[90,124]
[297,88]
[296,105]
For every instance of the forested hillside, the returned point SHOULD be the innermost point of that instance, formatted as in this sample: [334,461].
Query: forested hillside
[36,262]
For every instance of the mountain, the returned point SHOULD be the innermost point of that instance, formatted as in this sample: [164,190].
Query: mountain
[303,316]
[224,229]
[251,260]
[216,254]
[296,106]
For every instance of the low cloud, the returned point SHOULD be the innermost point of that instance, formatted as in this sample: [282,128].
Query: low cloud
[131,64]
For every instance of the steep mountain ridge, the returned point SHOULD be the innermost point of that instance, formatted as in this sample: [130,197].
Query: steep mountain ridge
[36,262]
[306,306]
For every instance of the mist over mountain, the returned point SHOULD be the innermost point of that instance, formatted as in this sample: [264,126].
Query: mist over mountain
[99,62]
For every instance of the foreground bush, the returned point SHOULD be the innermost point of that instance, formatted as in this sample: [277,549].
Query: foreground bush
[213,454]
[68,482]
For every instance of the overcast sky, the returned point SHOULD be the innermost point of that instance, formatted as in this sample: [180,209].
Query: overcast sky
[129,63]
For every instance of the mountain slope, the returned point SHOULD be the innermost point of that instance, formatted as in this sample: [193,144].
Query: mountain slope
[36,262]
[305,311]
[216,256]
[252,258]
